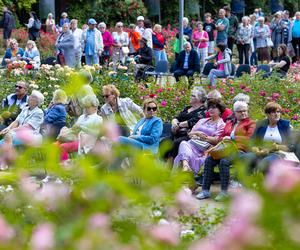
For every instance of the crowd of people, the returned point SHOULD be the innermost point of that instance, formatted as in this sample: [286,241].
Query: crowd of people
[197,131]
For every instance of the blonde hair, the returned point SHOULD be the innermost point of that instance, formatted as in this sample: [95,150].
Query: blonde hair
[90,101]
[11,41]
[148,101]
[59,96]
[157,27]
[32,43]
[111,89]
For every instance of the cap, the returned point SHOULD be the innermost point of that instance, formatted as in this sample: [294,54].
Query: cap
[92,21]
[140,18]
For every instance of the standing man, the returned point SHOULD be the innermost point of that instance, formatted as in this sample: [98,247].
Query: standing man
[233,26]
[222,26]
[286,26]
[77,33]
[92,43]
[8,24]
[140,25]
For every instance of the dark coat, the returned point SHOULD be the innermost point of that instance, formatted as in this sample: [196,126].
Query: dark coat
[194,63]
[146,55]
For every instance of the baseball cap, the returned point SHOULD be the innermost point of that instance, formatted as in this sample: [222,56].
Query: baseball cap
[140,18]
[92,21]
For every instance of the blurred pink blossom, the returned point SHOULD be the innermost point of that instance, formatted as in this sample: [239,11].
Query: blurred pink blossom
[166,233]
[275,96]
[99,220]
[290,91]
[295,117]
[111,131]
[27,136]
[283,177]
[159,90]
[262,93]
[6,231]
[43,237]
[163,103]
[242,86]
[187,203]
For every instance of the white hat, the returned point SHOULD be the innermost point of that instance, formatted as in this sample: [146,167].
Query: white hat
[140,18]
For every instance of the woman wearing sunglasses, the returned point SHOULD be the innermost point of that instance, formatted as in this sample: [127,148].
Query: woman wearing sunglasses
[147,131]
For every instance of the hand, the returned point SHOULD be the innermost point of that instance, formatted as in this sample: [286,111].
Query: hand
[4,131]
[226,138]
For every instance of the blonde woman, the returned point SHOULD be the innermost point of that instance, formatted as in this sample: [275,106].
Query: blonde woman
[159,44]
[31,56]
[50,24]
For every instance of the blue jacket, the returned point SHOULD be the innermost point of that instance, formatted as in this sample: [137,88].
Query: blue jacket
[150,133]
[283,127]
[56,115]
[8,54]
[193,60]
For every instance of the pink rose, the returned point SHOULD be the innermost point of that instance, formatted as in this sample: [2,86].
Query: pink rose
[295,117]
[290,91]
[242,86]
[275,96]
[262,93]
[283,177]
[6,231]
[43,237]
[163,103]
[247,90]
[186,202]
[159,90]
[166,233]
[99,220]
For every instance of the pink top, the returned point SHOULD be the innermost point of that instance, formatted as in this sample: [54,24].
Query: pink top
[218,126]
[220,57]
[198,35]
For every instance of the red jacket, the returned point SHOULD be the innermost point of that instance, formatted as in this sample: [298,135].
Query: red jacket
[242,133]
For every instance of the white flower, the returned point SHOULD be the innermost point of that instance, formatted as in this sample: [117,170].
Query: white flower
[187,232]
[45,93]
[157,213]
[9,188]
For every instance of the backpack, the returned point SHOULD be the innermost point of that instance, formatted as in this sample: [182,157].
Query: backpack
[37,25]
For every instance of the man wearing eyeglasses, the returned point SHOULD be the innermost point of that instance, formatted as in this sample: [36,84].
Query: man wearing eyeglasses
[13,104]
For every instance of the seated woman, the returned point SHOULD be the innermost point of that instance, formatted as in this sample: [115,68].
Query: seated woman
[12,56]
[270,136]
[85,131]
[120,109]
[56,114]
[223,63]
[239,128]
[29,120]
[147,131]
[216,95]
[191,155]
[186,119]
[31,57]
[281,64]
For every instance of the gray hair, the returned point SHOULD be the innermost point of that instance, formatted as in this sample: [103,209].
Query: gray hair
[186,43]
[261,18]
[102,24]
[39,96]
[119,24]
[242,98]
[199,93]
[64,14]
[214,94]
[240,105]
[66,25]
[90,101]
[246,18]
[186,20]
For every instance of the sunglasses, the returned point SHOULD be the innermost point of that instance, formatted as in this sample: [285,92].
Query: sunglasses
[151,108]
[19,87]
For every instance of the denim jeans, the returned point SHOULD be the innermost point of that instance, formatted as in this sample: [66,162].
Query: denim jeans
[93,59]
[160,55]
[214,74]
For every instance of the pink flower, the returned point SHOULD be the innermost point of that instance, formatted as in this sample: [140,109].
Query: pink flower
[111,131]
[203,244]
[231,88]
[99,220]
[242,86]
[43,237]
[166,233]
[290,91]
[187,203]
[163,103]
[283,177]
[152,96]
[275,96]
[297,77]
[6,231]
[295,117]
[231,92]
[27,136]
[247,90]
[262,93]
[159,90]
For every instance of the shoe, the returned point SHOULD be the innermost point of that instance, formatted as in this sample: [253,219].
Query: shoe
[199,180]
[235,184]
[222,196]
[203,195]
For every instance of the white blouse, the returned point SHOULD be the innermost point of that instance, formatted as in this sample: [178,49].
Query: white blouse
[273,135]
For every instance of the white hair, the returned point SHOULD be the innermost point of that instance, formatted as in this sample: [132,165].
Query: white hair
[39,96]
[214,94]
[240,105]
[119,24]
[102,24]
[90,101]
[186,43]
[246,18]
[261,18]
[186,20]
[242,98]
[200,93]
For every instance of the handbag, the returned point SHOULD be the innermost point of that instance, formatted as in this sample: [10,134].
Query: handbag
[66,135]
[125,50]
[269,42]
[223,149]
[200,145]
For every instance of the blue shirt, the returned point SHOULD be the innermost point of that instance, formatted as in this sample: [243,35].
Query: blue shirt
[222,35]
[90,42]
[296,29]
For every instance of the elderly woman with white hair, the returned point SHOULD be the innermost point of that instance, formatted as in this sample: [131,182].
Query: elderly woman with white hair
[64,19]
[238,129]
[27,123]
[262,33]
[186,119]
[83,135]
[243,40]
[120,45]
[31,56]
[242,98]
[107,42]
[187,30]
[50,24]
[65,45]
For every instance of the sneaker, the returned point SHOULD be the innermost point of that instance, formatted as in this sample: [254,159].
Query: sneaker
[235,184]
[203,195]
[222,196]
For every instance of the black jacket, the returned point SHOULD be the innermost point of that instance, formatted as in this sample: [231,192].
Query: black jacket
[146,55]
[194,63]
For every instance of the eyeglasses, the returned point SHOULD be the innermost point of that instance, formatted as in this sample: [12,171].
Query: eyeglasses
[19,87]
[119,26]
[151,108]
[241,111]
[106,96]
